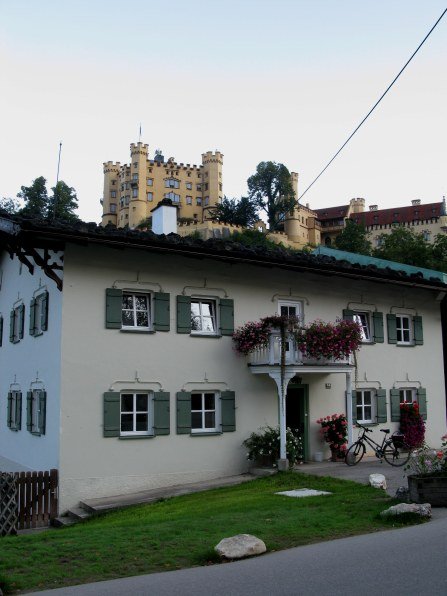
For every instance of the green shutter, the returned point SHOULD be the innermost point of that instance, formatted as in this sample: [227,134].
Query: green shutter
[29,411]
[161,311]
[12,317]
[8,418]
[395,405]
[111,409]
[32,317]
[391,328]
[19,411]
[228,411]
[114,305]
[348,315]
[183,314]
[226,306]
[377,321]
[42,411]
[21,310]
[183,412]
[44,312]
[161,413]
[422,401]
[354,406]
[381,405]
[418,332]
[1,330]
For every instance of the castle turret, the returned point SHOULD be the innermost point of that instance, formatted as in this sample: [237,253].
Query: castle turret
[292,224]
[212,188]
[111,192]
[138,200]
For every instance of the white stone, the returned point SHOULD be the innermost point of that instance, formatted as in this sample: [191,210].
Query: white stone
[423,509]
[303,492]
[240,546]
[377,481]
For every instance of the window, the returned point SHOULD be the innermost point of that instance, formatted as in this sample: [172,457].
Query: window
[175,198]
[403,329]
[38,316]
[135,164]
[36,411]
[289,309]
[198,201]
[112,207]
[127,199]
[135,414]
[362,318]
[15,410]
[17,320]
[205,412]
[207,200]
[189,200]
[371,324]
[203,316]
[189,186]
[150,196]
[364,406]
[199,187]
[134,192]
[136,311]
[113,182]
[150,181]
[407,396]
[206,186]
[172,183]
[134,177]
[113,194]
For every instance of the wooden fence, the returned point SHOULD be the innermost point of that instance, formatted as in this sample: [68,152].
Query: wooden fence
[36,498]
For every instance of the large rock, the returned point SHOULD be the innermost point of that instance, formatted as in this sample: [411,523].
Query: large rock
[423,509]
[240,546]
[377,481]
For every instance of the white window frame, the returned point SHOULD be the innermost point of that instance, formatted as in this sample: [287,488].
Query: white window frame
[35,411]
[188,200]
[134,193]
[150,196]
[298,305]
[189,186]
[362,405]
[217,412]
[214,314]
[150,181]
[408,392]
[400,329]
[149,411]
[149,310]
[172,183]
[175,198]
[366,323]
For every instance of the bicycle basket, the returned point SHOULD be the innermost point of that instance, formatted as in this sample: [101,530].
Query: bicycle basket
[398,440]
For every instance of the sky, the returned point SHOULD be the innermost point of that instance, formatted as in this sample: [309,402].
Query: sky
[258,80]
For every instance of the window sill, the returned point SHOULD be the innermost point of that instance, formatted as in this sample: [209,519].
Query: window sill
[130,438]
[212,433]
[402,345]
[137,331]
[209,335]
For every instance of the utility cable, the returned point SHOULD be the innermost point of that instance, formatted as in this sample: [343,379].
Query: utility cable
[375,105]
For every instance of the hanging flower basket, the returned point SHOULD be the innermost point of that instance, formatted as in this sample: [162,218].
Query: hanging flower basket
[331,341]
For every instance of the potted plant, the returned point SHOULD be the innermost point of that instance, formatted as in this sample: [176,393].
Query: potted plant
[263,446]
[427,479]
[334,341]
[334,430]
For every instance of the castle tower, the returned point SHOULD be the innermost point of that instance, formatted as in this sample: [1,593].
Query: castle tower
[111,193]
[212,192]
[137,180]
[356,206]
[292,224]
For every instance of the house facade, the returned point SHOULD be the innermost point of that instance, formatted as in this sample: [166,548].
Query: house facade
[117,365]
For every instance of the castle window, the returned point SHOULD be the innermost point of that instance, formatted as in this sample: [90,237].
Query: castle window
[134,193]
[199,175]
[199,187]
[220,185]
[112,207]
[172,183]
[189,200]
[198,201]
[189,186]
[150,181]
[175,198]
[206,186]
[134,176]
[207,200]
[113,182]
[135,164]
[122,187]
[150,196]
[127,199]
[113,194]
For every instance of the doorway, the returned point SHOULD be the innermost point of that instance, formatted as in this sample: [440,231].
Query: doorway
[297,412]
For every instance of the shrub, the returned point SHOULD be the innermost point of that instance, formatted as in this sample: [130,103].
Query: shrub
[265,443]
[412,425]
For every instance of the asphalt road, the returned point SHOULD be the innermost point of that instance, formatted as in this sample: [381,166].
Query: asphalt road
[406,562]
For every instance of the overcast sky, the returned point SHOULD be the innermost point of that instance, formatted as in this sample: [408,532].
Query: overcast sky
[258,80]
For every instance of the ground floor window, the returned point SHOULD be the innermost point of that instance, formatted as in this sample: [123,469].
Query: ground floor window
[14,410]
[407,396]
[203,412]
[135,414]
[365,406]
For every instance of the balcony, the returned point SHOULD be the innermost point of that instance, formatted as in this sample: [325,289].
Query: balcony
[270,355]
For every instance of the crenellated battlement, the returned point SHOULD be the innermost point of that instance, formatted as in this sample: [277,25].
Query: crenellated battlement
[110,166]
[139,148]
[212,157]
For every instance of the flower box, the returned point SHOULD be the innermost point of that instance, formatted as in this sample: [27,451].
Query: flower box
[428,489]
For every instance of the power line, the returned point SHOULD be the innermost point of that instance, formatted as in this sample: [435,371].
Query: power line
[376,104]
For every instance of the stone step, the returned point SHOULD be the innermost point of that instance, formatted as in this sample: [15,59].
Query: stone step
[63,521]
[78,513]
[260,472]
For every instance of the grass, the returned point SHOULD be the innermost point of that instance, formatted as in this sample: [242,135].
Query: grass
[182,531]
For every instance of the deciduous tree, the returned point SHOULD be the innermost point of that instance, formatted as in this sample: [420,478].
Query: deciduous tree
[238,212]
[354,238]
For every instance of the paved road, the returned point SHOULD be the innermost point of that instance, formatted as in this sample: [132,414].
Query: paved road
[405,562]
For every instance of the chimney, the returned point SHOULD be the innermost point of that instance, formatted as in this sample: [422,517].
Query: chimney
[164,218]
[416,202]
[373,207]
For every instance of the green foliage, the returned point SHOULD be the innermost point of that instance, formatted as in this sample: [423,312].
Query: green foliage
[62,203]
[237,212]
[35,198]
[266,444]
[145,224]
[354,238]
[272,191]
[405,246]
[180,532]
[9,205]
[439,252]
[253,238]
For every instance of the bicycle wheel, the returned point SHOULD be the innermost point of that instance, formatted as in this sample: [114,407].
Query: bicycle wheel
[355,453]
[396,456]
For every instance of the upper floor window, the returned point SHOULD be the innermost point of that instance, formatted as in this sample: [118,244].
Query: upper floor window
[134,192]
[189,200]
[362,318]
[136,311]
[112,207]
[175,198]
[203,316]
[207,200]
[17,322]
[113,194]
[150,181]
[36,411]
[198,201]
[150,196]
[172,183]
[199,187]
[134,177]
[38,316]
[136,414]
[370,322]
[290,309]
[14,413]
[404,330]
[189,186]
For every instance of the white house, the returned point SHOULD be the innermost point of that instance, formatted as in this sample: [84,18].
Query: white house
[117,365]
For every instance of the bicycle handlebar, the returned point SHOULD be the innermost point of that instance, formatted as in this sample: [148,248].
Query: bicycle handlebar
[368,430]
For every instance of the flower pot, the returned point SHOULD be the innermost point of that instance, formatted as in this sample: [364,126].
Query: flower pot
[337,455]
[428,489]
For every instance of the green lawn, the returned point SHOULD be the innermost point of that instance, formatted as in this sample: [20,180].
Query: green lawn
[182,531]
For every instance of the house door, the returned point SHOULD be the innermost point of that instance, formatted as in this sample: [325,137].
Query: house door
[297,408]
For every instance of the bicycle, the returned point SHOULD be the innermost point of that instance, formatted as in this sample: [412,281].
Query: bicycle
[393,449]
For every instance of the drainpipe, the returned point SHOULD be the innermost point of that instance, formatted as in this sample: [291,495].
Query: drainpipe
[349,406]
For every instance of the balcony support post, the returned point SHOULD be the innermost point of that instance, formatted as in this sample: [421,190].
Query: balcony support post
[282,382]
[349,406]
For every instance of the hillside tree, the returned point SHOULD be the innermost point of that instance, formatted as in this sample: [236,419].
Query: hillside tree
[354,238]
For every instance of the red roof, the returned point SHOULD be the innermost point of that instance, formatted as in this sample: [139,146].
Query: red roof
[332,212]
[399,214]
